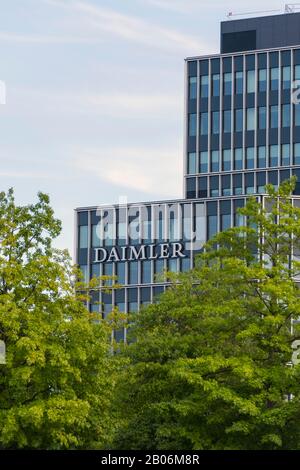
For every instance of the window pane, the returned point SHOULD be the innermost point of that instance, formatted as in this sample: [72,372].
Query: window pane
[239,116]
[192,124]
[297,115]
[203,162]
[273,155]
[296,154]
[239,80]
[212,226]
[203,123]
[262,117]
[96,242]
[226,185]
[251,81]
[120,273]
[286,115]
[297,72]
[227,85]
[250,158]
[285,154]
[226,160]
[274,117]
[227,121]
[249,183]
[237,184]
[286,78]
[261,157]
[83,236]
[193,88]
[214,186]
[216,122]
[250,119]
[262,80]
[204,86]
[215,160]
[146,272]
[216,85]
[238,159]
[133,272]
[275,79]
[191,163]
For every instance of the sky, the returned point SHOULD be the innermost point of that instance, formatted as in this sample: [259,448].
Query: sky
[95,94]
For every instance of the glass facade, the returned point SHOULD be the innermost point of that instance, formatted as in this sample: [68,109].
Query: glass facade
[242,131]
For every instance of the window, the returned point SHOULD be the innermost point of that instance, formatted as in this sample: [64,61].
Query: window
[251,81]
[250,119]
[202,187]
[238,184]
[262,117]
[108,271]
[285,154]
[192,124]
[212,226]
[250,158]
[274,117]
[239,117]
[239,83]
[203,162]
[262,80]
[216,85]
[286,78]
[296,154]
[193,88]
[226,185]
[261,161]
[249,183]
[83,236]
[216,122]
[84,272]
[226,160]
[214,186]
[273,155]
[120,273]
[191,163]
[226,121]
[297,72]
[286,115]
[133,272]
[238,159]
[225,222]
[146,272]
[172,265]
[159,269]
[215,160]
[275,79]
[273,178]
[191,188]
[173,224]
[203,123]
[227,84]
[96,242]
[261,181]
[297,115]
[204,86]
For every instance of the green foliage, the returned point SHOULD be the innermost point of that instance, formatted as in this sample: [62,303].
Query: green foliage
[209,367]
[56,386]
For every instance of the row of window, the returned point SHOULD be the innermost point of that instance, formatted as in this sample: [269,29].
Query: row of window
[237,183]
[243,82]
[243,159]
[241,120]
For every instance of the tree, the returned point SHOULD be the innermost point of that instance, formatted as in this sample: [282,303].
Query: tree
[210,367]
[56,385]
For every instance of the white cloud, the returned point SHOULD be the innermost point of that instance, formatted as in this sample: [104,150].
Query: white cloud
[97,19]
[44,39]
[153,171]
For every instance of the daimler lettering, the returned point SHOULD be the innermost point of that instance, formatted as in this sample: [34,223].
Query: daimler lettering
[140,252]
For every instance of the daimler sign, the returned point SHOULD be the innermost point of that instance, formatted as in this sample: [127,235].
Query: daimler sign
[139,252]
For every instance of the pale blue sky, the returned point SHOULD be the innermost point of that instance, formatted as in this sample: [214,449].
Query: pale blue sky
[95,96]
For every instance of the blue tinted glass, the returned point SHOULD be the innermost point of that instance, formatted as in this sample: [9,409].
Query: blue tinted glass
[238,159]
[239,120]
[285,154]
[212,226]
[226,160]
[227,85]
[203,162]
[273,155]
[262,117]
[250,158]
[192,163]
[204,86]
[146,272]
[239,82]
[192,124]
[193,88]
[227,121]
[286,115]
[261,163]
[286,78]
[120,273]
[204,123]
[216,85]
[296,154]
[237,184]
[216,122]
[274,79]
[215,160]
[297,115]
[250,119]
[262,80]
[133,272]
[274,117]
